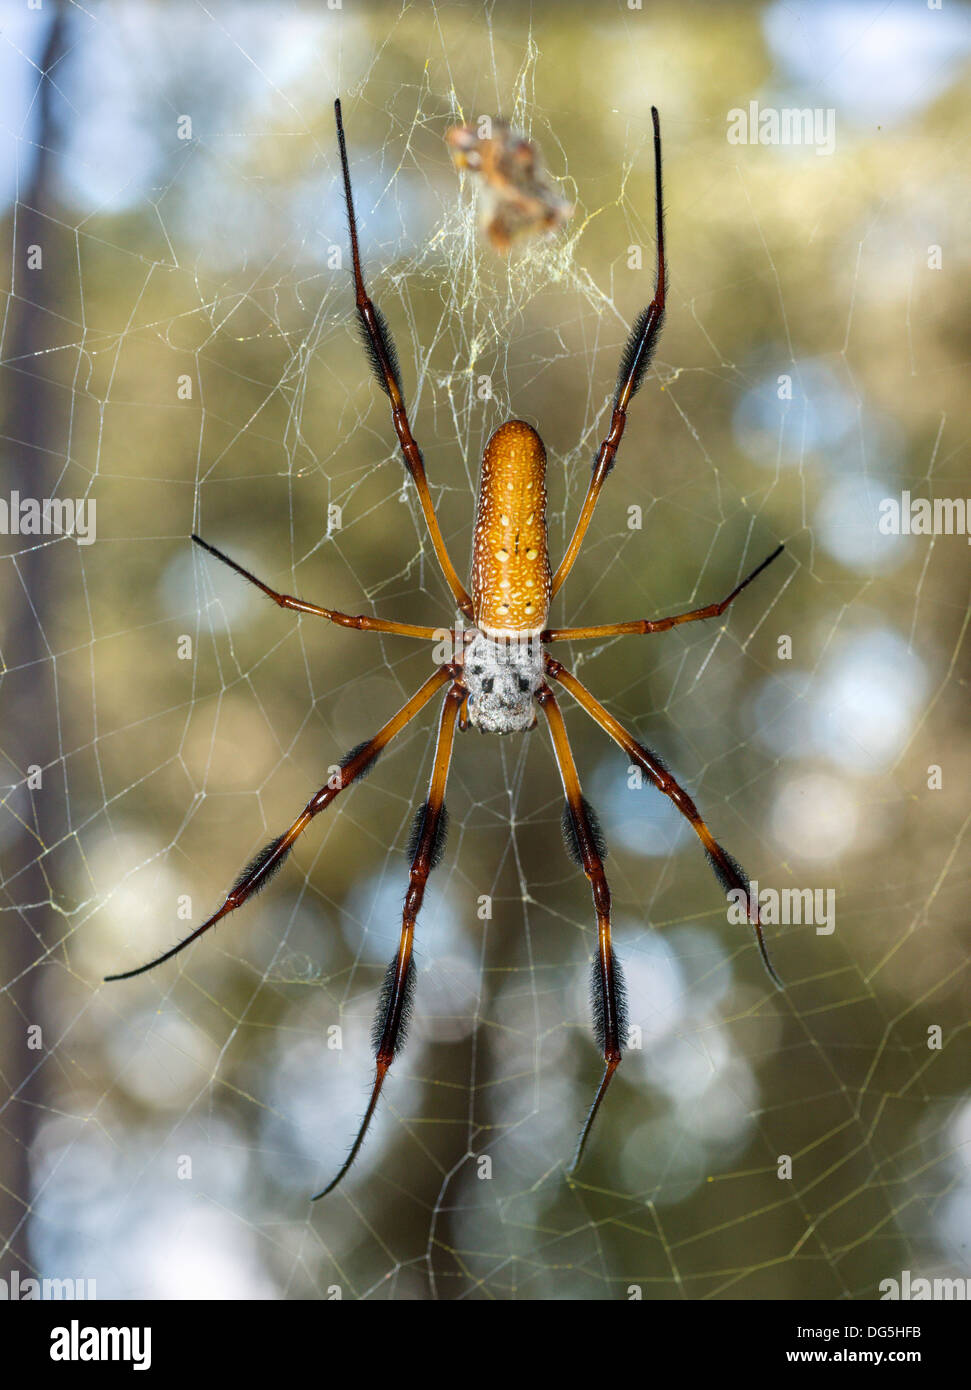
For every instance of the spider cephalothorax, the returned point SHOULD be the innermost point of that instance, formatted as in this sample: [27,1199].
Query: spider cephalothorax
[501,676]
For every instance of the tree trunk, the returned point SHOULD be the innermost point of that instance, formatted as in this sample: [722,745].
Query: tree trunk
[33,447]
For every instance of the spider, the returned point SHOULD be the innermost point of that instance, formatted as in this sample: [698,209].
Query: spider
[500,676]
[516,197]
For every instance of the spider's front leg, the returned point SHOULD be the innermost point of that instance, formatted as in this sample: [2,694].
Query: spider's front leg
[257,874]
[427,845]
[729,873]
[586,847]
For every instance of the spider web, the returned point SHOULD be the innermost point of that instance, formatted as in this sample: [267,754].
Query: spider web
[186,360]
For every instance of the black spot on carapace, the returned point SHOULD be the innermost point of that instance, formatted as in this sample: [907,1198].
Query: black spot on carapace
[374,356]
[599,1004]
[724,872]
[439,837]
[258,862]
[348,758]
[398,1003]
[571,832]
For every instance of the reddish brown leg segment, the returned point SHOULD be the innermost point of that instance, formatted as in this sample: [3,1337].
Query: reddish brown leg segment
[428,845]
[642,626]
[384,360]
[261,869]
[633,365]
[586,846]
[298,605]
[729,874]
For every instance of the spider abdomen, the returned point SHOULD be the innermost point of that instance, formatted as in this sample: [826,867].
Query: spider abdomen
[510,560]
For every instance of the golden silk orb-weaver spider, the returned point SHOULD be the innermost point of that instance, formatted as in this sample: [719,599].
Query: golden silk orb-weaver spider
[500,674]
[517,199]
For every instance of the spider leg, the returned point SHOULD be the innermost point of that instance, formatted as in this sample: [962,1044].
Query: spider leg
[646,625]
[586,846]
[261,869]
[730,875]
[633,365]
[362,623]
[384,360]
[427,847]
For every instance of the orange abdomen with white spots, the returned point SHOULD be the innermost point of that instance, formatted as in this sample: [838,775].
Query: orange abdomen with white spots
[510,562]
